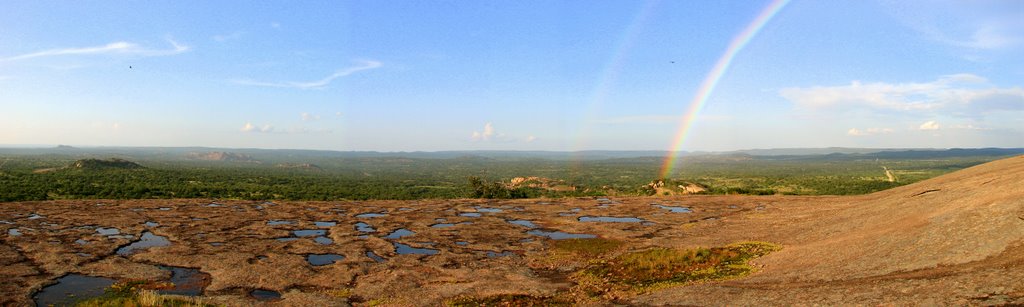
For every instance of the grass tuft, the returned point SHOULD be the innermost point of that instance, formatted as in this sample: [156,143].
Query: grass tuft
[140,294]
[657,268]
[508,300]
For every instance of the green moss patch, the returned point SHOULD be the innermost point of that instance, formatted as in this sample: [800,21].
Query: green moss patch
[585,247]
[509,300]
[139,293]
[664,267]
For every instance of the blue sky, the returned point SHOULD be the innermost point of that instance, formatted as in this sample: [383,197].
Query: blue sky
[521,75]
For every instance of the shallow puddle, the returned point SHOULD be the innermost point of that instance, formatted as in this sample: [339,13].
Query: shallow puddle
[323,259]
[323,240]
[81,242]
[375,257]
[488,210]
[398,233]
[108,231]
[442,225]
[280,222]
[151,224]
[610,219]
[147,240]
[187,281]
[214,205]
[14,232]
[325,224]
[72,288]
[524,223]
[309,232]
[675,209]
[286,239]
[164,209]
[462,243]
[558,235]
[501,254]
[470,214]
[216,243]
[364,227]
[370,215]
[403,249]
[34,216]
[265,295]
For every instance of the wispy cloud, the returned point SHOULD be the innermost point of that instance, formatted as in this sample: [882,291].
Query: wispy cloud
[306,117]
[364,65]
[657,119]
[929,125]
[227,37]
[115,48]
[491,135]
[965,95]
[868,131]
[250,128]
[979,25]
[640,119]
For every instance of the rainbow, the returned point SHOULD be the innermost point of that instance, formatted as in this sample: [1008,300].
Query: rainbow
[712,78]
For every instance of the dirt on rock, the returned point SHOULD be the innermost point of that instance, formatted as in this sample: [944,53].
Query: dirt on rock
[960,242]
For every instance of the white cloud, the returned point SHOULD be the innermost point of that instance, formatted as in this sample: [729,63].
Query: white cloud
[485,135]
[275,25]
[309,117]
[249,127]
[123,48]
[338,114]
[961,94]
[364,65]
[929,125]
[868,131]
[530,139]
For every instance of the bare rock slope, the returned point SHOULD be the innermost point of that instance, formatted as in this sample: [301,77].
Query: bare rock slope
[954,239]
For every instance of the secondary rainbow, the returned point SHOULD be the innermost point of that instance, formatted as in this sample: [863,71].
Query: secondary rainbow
[712,78]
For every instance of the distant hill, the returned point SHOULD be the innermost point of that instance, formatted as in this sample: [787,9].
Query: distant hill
[305,166]
[277,156]
[96,164]
[221,156]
